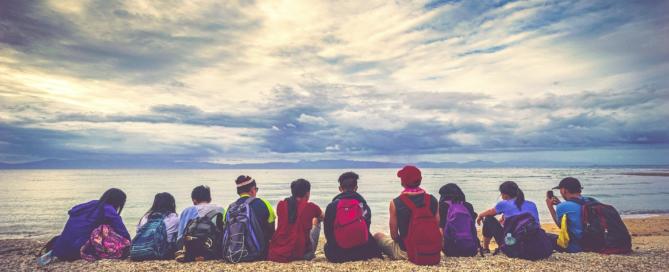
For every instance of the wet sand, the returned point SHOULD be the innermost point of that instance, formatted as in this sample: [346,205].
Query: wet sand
[650,243]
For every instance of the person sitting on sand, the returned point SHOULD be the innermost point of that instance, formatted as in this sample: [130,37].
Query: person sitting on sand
[84,218]
[163,206]
[261,209]
[454,245]
[339,247]
[570,189]
[298,220]
[513,203]
[201,197]
[400,214]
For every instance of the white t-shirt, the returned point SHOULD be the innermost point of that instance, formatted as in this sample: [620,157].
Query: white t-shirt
[171,224]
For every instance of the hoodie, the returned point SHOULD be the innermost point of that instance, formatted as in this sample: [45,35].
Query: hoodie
[84,218]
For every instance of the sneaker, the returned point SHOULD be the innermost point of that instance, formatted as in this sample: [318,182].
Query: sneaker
[46,259]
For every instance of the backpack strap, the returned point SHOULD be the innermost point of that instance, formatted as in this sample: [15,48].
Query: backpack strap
[405,199]
[249,200]
[211,214]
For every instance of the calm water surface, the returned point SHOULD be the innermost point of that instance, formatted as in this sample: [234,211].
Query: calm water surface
[34,203]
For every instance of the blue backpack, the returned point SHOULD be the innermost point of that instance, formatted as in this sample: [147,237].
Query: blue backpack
[460,239]
[530,241]
[151,240]
[243,237]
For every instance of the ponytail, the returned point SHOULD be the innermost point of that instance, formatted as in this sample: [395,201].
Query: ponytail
[520,198]
[292,209]
[511,188]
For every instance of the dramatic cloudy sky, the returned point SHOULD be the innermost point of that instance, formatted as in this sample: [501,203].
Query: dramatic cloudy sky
[219,81]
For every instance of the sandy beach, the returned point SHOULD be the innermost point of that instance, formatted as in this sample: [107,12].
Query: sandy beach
[650,244]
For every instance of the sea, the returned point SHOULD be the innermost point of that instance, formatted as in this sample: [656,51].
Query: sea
[34,203]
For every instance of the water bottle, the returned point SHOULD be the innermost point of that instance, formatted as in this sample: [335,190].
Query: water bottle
[509,240]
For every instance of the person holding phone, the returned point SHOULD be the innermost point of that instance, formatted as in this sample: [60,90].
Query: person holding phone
[570,188]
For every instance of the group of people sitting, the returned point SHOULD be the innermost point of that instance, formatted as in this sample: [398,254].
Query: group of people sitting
[421,226]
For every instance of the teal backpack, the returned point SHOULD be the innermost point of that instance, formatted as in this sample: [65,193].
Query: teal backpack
[151,240]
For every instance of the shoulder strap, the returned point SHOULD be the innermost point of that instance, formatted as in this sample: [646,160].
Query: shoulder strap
[428,201]
[249,200]
[405,199]
[210,215]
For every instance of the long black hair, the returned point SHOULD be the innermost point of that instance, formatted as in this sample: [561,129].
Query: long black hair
[511,188]
[163,203]
[114,197]
[451,192]
[298,188]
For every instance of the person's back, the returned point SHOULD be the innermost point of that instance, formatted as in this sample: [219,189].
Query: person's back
[157,230]
[201,198]
[84,218]
[509,208]
[339,250]
[259,228]
[414,223]
[570,189]
[298,228]
[457,220]
[203,214]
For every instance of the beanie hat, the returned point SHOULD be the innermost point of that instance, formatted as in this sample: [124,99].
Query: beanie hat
[410,176]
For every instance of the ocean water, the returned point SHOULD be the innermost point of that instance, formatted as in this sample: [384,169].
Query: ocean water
[34,203]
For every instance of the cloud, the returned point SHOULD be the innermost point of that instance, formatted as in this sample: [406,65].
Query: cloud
[313,120]
[211,81]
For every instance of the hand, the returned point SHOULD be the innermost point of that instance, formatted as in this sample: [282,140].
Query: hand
[550,202]
[501,220]
[479,219]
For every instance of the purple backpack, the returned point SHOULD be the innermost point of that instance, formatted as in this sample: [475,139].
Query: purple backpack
[531,242]
[460,239]
[104,243]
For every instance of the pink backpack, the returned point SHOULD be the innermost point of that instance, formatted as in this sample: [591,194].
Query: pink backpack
[104,243]
[350,228]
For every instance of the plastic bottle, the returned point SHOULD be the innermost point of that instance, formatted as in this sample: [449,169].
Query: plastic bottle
[509,240]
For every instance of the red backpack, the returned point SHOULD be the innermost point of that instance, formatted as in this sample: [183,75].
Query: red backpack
[350,228]
[423,242]
[288,242]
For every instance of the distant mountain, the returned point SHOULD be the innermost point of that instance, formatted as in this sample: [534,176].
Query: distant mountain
[318,164]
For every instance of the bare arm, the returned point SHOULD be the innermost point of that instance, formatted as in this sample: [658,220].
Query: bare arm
[550,203]
[394,230]
[488,212]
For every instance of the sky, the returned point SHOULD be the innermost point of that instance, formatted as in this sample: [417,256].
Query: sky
[247,81]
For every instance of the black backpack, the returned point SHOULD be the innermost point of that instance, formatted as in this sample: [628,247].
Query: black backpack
[201,240]
[603,229]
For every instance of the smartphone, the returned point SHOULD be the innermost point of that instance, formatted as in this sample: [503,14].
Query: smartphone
[549,194]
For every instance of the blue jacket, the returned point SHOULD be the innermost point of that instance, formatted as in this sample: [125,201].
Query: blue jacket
[84,218]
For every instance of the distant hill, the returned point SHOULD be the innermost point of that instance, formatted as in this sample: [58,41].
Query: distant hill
[317,164]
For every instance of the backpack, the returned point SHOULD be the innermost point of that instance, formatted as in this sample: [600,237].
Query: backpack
[288,243]
[48,246]
[104,243]
[422,242]
[350,227]
[603,229]
[201,239]
[243,237]
[460,237]
[151,243]
[531,242]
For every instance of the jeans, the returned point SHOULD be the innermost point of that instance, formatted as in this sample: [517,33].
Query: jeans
[313,236]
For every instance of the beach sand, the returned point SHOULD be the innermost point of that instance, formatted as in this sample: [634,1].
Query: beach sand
[650,244]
